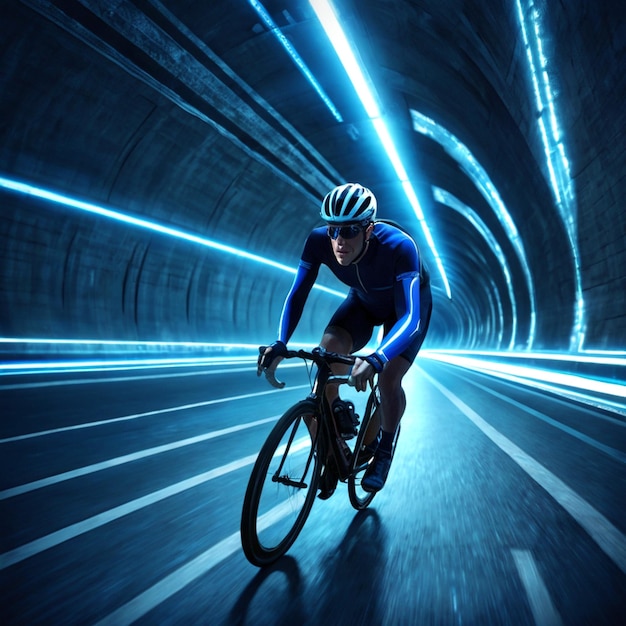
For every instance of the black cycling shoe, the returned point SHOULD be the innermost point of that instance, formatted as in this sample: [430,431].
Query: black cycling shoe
[345,418]
[368,450]
[328,483]
[376,474]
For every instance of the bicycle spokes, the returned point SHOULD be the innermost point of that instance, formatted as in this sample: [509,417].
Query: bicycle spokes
[283,489]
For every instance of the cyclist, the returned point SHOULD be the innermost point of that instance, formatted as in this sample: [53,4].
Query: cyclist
[389,286]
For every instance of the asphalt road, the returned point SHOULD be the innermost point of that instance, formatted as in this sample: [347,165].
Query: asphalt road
[121,492]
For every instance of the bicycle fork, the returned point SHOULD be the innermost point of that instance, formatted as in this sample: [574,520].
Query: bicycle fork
[284,479]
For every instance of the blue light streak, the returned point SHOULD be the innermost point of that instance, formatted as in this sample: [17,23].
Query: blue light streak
[297,59]
[592,390]
[477,174]
[594,357]
[103,365]
[57,198]
[557,162]
[328,19]
[449,200]
[214,354]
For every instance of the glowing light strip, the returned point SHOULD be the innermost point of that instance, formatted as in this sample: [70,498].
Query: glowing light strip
[297,59]
[449,200]
[326,15]
[617,390]
[328,19]
[600,357]
[123,342]
[98,365]
[554,149]
[57,198]
[494,290]
[109,362]
[477,174]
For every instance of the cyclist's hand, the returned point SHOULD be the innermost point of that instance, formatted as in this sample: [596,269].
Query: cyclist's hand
[362,374]
[269,358]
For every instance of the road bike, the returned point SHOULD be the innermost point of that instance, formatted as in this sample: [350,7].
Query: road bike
[304,452]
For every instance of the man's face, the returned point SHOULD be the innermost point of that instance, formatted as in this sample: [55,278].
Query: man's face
[347,249]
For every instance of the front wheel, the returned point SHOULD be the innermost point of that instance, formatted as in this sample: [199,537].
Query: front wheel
[282,486]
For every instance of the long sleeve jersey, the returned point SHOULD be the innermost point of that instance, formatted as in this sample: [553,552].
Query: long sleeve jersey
[386,280]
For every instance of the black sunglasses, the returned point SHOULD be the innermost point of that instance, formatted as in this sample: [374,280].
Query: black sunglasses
[345,232]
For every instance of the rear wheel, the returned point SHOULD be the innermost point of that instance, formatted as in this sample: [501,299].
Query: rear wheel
[362,457]
[282,486]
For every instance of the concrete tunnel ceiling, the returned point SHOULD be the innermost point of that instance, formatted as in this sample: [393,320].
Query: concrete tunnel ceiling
[193,116]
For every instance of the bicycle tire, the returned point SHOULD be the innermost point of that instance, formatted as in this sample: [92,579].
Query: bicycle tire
[359,498]
[275,509]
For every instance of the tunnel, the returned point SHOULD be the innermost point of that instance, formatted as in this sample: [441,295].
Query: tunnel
[161,165]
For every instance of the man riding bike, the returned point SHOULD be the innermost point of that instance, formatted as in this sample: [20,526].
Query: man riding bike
[389,286]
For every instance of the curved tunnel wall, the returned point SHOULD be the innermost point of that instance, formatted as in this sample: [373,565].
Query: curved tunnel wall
[77,122]
[97,134]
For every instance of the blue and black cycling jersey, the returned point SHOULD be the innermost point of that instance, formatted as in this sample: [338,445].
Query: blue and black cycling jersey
[386,281]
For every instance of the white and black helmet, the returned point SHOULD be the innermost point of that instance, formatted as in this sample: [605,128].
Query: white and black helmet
[349,204]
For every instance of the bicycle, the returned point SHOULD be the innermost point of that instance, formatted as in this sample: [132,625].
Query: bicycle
[303,448]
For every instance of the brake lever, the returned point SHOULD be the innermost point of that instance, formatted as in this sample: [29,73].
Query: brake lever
[351,382]
[269,374]
[271,377]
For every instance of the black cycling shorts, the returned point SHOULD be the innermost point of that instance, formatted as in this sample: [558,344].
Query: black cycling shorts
[359,323]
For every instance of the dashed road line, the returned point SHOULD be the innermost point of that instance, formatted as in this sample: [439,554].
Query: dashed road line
[74,530]
[113,420]
[128,458]
[541,605]
[186,574]
[600,529]
[612,452]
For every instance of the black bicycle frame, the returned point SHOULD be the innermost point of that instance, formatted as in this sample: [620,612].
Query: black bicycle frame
[332,445]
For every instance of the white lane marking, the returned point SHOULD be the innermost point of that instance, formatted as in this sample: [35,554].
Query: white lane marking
[121,379]
[117,379]
[127,458]
[616,454]
[600,529]
[541,605]
[113,420]
[74,530]
[183,576]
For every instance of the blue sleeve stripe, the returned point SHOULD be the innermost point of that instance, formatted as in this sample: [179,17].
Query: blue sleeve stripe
[406,275]
[406,327]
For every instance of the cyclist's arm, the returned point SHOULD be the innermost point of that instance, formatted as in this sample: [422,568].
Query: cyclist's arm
[306,274]
[403,331]
[296,299]
[400,335]
[407,296]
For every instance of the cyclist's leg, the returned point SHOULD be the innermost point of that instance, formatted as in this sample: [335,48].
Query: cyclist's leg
[348,330]
[392,406]
[393,400]
[392,396]
[336,339]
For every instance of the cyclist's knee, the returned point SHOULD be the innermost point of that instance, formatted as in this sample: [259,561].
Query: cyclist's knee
[337,339]
[392,393]
[390,379]
[388,383]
